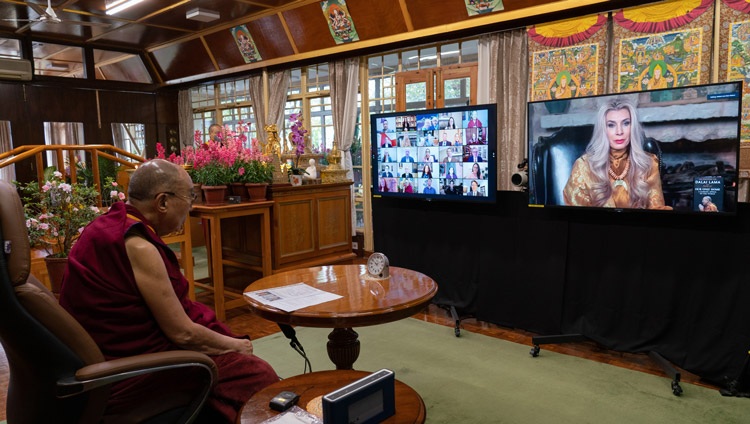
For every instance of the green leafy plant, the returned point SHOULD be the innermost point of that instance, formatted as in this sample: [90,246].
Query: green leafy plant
[56,213]
[255,171]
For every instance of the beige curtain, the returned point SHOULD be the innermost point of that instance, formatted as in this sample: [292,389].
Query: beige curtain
[508,76]
[344,89]
[7,173]
[273,112]
[259,110]
[185,118]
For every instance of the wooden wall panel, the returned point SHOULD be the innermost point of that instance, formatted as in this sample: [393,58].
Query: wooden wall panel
[334,222]
[309,28]
[124,107]
[374,19]
[270,38]
[183,60]
[224,49]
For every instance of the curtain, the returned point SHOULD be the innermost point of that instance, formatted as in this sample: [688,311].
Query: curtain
[259,110]
[508,76]
[278,85]
[68,133]
[185,118]
[273,112]
[7,173]
[344,89]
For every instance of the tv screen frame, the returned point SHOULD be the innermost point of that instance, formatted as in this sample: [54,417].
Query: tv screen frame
[418,152]
[692,132]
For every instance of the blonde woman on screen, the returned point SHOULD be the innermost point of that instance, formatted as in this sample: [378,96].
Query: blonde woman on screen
[615,171]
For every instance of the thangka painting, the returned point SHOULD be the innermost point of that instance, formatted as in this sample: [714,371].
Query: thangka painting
[572,69]
[734,55]
[339,21]
[663,45]
[246,44]
[479,7]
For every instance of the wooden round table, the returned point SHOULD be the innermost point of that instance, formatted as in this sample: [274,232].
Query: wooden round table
[410,408]
[364,302]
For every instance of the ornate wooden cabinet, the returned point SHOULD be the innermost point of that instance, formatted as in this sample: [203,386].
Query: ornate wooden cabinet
[312,225]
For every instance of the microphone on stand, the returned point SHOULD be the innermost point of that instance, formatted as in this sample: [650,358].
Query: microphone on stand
[291,334]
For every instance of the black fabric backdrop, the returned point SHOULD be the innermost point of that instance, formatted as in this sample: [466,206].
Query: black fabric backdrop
[632,281]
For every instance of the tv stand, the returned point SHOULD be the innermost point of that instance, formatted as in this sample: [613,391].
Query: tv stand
[451,309]
[667,367]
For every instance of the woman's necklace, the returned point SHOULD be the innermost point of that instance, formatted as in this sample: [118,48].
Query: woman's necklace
[619,178]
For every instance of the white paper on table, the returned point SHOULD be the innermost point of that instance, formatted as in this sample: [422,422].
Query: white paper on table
[292,297]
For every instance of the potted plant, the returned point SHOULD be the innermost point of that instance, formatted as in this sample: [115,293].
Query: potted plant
[56,213]
[297,135]
[258,174]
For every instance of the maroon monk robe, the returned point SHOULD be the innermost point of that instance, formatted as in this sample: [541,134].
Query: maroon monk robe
[100,291]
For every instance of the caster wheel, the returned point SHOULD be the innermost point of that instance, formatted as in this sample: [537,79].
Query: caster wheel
[676,389]
[457,331]
[534,351]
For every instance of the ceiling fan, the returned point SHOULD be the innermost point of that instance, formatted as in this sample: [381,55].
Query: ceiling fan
[49,16]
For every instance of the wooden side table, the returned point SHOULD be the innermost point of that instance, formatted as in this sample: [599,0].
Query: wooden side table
[410,408]
[233,249]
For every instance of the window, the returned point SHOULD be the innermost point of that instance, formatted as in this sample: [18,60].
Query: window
[118,66]
[58,60]
[224,103]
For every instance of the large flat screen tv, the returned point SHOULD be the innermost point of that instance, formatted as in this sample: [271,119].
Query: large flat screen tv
[674,149]
[436,154]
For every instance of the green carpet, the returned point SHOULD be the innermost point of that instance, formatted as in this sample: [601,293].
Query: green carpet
[479,379]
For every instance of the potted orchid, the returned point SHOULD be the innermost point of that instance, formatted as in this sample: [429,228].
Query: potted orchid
[297,135]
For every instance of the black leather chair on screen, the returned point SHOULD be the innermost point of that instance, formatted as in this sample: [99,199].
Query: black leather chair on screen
[553,157]
[57,372]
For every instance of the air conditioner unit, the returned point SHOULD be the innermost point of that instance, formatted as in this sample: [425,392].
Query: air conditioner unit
[15,69]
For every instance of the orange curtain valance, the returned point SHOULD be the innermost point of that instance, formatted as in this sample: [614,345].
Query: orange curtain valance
[568,32]
[661,17]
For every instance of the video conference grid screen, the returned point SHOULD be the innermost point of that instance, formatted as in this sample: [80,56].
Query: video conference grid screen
[436,153]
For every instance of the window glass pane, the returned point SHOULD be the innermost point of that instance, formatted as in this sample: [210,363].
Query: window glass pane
[130,137]
[118,66]
[10,48]
[202,96]
[233,116]
[470,51]
[449,54]
[58,60]
[295,81]
[409,60]
[317,78]
[416,95]
[201,122]
[456,92]
[428,58]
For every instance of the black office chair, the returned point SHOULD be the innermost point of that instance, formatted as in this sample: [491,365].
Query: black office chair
[553,157]
[57,372]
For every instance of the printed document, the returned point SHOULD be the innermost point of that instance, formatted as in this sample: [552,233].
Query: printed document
[292,297]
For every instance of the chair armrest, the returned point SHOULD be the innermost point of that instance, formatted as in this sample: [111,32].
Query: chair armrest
[108,372]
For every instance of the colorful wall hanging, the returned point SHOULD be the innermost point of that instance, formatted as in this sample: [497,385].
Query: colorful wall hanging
[339,21]
[246,44]
[478,7]
[662,45]
[572,68]
[734,55]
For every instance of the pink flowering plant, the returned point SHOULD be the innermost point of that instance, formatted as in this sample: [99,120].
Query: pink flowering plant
[114,190]
[230,160]
[56,213]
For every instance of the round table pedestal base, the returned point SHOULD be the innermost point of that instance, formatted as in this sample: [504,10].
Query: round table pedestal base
[343,348]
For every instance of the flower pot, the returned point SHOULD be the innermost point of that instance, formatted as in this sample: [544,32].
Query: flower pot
[296,180]
[256,191]
[214,195]
[238,189]
[55,271]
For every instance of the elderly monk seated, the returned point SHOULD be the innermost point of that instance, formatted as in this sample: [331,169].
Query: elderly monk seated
[124,285]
